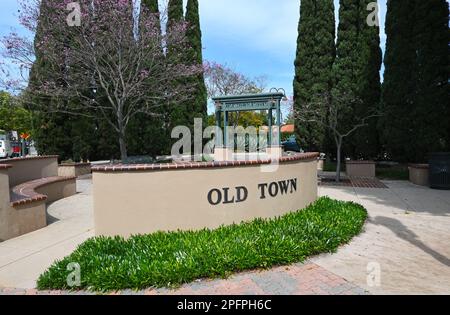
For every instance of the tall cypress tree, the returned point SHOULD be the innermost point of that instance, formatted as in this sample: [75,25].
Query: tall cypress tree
[148,135]
[313,65]
[195,57]
[51,130]
[366,140]
[152,5]
[153,8]
[398,87]
[431,114]
[179,113]
[356,70]
[69,136]
[415,89]
[175,12]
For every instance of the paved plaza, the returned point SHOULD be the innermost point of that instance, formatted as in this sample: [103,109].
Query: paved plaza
[404,249]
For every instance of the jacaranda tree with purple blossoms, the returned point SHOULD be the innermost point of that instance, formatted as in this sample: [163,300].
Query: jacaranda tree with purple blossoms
[109,65]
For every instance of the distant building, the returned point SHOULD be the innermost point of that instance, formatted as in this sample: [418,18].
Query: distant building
[288,129]
[284,129]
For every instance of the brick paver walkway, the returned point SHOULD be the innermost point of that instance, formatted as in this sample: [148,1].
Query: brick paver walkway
[298,279]
[357,182]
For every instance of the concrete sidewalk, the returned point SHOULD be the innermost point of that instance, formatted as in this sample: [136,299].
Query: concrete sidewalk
[407,237]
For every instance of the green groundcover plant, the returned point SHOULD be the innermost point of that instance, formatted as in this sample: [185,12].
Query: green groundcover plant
[171,259]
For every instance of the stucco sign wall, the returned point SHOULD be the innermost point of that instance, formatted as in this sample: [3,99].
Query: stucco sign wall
[130,200]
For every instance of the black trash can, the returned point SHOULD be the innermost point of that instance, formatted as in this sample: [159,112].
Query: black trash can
[440,170]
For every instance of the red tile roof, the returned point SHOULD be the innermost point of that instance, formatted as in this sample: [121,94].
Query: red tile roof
[288,129]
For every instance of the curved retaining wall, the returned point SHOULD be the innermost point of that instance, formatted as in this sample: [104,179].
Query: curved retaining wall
[24,215]
[142,199]
[31,168]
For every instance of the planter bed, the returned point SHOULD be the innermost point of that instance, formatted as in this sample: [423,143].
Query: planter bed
[419,174]
[74,169]
[171,259]
[360,169]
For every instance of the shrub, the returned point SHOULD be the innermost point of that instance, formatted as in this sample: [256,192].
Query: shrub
[397,172]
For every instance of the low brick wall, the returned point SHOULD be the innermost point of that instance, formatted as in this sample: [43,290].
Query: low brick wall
[16,221]
[141,199]
[23,219]
[361,169]
[26,185]
[74,170]
[419,174]
[320,164]
[4,200]
[31,168]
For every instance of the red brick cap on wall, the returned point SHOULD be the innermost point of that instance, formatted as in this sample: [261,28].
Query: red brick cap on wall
[288,129]
[201,165]
[43,157]
[360,162]
[74,164]
[419,166]
[26,193]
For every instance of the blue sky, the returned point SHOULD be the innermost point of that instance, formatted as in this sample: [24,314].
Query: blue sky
[255,37]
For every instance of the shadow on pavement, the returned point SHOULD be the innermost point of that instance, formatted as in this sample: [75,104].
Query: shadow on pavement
[404,196]
[406,234]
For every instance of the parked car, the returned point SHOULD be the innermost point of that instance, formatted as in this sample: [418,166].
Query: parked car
[291,144]
[16,149]
[10,147]
[5,149]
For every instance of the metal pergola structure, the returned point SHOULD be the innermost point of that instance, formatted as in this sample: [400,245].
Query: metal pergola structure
[250,102]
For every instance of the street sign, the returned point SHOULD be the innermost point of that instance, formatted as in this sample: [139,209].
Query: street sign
[25,136]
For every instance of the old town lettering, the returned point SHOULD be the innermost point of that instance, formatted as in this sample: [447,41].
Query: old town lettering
[217,196]
[278,188]
[240,194]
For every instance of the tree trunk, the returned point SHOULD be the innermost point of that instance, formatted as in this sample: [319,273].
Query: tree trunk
[121,128]
[338,156]
[123,147]
[122,143]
